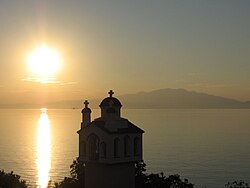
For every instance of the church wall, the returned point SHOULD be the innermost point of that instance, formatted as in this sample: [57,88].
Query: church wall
[121,157]
[83,137]
[109,140]
[110,176]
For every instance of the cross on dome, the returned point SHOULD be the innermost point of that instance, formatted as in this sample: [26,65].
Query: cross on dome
[86,103]
[110,93]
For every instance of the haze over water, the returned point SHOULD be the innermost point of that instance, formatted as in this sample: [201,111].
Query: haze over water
[209,147]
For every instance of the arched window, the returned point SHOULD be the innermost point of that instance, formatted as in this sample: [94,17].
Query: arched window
[136,146]
[103,150]
[116,147]
[93,143]
[126,146]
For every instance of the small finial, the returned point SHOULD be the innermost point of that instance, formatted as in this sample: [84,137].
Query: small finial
[86,103]
[110,93]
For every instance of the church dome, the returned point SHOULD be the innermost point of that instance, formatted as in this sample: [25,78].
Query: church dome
[86,110]
[110,101]
[111,110]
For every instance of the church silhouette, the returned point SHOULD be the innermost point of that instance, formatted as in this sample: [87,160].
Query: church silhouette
[109,146]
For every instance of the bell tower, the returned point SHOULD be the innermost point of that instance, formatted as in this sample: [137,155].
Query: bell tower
[109,146]
[86,114]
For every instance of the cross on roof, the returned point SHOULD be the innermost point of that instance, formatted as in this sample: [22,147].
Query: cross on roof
[86,103]
[110,93]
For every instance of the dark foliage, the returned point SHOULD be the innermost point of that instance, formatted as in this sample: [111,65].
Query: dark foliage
[77,170]
[143,180]
[11,180]
[67,183]
[237,184]
[140,176]
[77,176]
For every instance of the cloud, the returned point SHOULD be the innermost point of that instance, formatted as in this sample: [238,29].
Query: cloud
[47,81]
[68,83]
[41,80]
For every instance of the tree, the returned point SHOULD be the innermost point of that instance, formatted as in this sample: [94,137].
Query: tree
[237,184]
[77,176]
[177,182]
[67,183]
[77,171]
[143,180]
[172,181]
[11,180]
[140,176]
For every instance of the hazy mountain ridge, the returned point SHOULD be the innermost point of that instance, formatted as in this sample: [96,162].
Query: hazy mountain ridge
[162,98]
[179,98]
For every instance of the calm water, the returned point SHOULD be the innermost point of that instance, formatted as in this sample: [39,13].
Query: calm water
[209,147]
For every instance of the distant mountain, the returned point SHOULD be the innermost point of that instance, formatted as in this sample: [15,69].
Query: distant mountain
[163,98]
[179,98]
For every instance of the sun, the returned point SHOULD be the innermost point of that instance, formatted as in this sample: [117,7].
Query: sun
[44,62]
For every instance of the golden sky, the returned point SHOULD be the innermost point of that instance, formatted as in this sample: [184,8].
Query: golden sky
[128,46]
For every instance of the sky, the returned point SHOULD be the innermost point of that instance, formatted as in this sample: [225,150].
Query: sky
[128,46]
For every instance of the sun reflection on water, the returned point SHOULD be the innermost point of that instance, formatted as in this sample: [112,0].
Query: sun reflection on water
[43,149]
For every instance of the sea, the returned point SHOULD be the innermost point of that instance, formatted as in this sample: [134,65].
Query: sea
[209,147]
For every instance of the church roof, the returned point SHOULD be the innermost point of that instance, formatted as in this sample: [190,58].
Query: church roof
[131,128]
[110,100]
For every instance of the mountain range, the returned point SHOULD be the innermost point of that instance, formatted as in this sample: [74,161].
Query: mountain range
[157,99]
[179,98]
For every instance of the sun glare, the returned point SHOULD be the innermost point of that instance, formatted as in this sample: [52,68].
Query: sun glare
[44,62]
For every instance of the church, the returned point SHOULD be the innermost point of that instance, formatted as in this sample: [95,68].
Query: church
[109,146]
